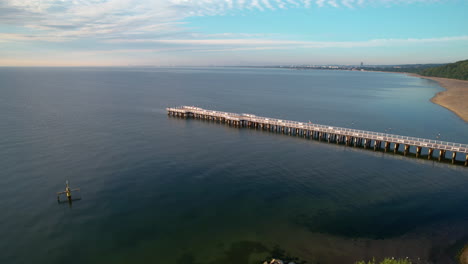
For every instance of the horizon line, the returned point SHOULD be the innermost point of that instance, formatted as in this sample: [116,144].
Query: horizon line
[201,66]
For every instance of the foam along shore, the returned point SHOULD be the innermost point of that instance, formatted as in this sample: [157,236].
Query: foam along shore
[455,98]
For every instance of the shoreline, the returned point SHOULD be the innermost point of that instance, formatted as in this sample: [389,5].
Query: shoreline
[455,96]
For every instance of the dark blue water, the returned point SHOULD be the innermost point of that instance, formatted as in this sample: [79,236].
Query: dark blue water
[164,190]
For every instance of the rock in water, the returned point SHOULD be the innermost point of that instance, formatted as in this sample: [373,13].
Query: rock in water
[276,261]
[464,256]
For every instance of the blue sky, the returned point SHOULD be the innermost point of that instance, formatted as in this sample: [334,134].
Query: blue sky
[231,32]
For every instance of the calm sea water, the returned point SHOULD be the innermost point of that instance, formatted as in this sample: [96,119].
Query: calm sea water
[164,190]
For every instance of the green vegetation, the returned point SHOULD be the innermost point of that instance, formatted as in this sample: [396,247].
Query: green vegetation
[410,68]
[457,70]
[386,261]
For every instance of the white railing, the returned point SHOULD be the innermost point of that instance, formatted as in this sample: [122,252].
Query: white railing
[422,142]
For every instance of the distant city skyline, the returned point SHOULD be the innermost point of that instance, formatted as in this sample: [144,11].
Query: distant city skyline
[231,32]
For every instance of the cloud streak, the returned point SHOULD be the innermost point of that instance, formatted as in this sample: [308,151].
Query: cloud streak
[295,44]
[60,19]
[113,27]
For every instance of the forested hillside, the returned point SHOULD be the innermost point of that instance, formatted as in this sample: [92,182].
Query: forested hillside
[457,70]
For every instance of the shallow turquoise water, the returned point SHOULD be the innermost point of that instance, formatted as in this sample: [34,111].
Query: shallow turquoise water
[165,190]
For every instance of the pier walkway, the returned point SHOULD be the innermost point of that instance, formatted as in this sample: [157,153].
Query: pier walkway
[338,135]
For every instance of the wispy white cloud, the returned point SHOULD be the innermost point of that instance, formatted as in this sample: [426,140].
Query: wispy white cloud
[307,3]
[333,3]
[65,20]
[245,45]
[255,4]
[178,49]
[127,27]
[293,3]
[268,5]
[296,44]
[348,3]
[280,4]
[8,37]
[320,3]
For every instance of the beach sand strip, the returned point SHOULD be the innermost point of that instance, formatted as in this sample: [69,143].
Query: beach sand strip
[455,98]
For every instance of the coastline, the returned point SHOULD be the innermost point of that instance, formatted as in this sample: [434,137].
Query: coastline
[455,96]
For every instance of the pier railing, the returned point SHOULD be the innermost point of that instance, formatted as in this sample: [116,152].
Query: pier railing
[355,133]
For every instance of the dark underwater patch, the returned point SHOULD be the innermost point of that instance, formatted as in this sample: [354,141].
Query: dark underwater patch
[242,252]
[383,220]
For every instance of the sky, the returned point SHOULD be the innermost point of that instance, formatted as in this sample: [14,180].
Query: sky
[231,32]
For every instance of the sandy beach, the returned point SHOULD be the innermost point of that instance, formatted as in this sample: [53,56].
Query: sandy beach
[455,98]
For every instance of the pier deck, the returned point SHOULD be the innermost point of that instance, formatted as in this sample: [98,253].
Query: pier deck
[339,135]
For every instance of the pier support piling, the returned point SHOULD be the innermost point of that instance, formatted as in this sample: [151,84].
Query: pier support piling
[395,149]
[406,150]
[418,152]
[441,154]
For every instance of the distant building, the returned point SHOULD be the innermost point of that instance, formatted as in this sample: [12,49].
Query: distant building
[362,64]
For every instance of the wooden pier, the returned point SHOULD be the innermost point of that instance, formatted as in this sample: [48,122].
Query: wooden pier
[338,135]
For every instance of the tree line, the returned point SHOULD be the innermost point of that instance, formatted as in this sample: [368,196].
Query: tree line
[457,70]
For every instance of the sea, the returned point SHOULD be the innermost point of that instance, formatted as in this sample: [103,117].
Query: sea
[159,189]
